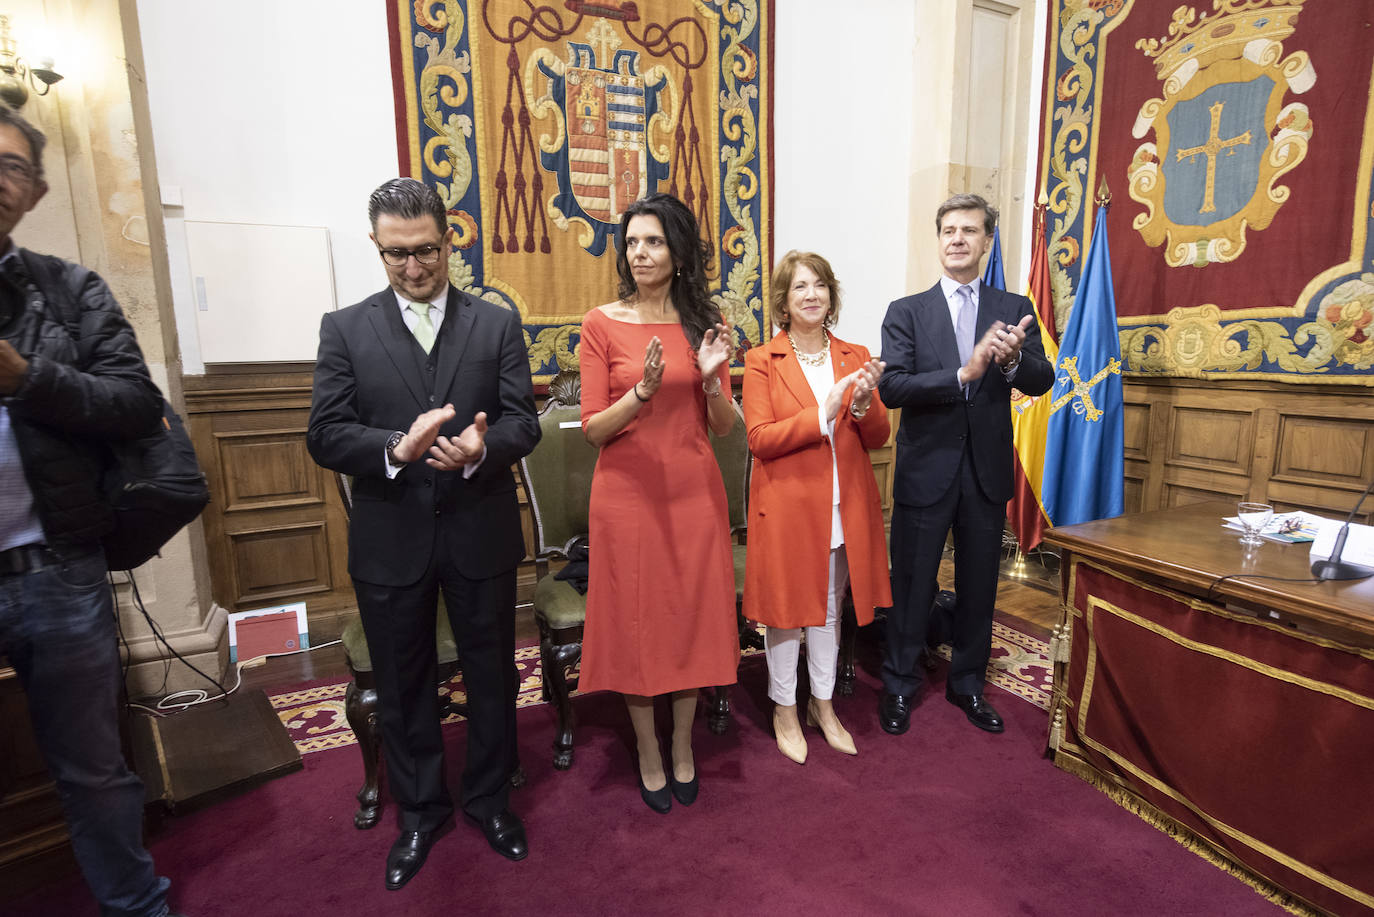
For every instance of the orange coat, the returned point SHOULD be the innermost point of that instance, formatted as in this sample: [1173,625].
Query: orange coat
[791,491]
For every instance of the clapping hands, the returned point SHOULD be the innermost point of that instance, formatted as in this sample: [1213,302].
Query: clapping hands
[717,347]
[865,383]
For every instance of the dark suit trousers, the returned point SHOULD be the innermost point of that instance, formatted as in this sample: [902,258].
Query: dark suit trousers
[918,542]
[399,624]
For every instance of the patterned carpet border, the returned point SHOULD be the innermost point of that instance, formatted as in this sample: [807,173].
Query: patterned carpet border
[315,719]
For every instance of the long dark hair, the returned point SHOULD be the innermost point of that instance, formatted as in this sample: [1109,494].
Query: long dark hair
[691,260]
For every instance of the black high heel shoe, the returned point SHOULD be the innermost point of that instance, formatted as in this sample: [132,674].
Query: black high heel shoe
[685,793]
[660,800]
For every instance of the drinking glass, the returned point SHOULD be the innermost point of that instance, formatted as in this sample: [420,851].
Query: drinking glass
[1253,518]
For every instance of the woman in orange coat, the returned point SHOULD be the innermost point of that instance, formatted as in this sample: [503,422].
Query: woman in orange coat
[815,520]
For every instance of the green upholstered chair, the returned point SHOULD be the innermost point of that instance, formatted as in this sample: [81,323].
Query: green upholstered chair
[558,484]
[360,698]
[733,457]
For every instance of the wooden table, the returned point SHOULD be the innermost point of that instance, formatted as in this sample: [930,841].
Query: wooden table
[1235,712]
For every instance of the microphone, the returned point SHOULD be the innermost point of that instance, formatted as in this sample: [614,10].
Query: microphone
[1335,568]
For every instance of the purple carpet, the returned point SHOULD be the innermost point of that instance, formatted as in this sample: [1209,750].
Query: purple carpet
[943,820]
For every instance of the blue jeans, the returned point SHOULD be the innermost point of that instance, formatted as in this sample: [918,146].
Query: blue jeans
[57,627]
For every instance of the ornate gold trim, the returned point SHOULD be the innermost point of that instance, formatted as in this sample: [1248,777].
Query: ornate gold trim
[1255,844]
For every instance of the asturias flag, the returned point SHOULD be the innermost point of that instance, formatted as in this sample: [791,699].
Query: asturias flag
[1030,415]
[1085,442]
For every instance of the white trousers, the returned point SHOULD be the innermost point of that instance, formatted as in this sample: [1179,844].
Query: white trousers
[783,645]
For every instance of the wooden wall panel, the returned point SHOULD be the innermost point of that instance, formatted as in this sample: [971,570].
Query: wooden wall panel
[1324,450]
[271,468]
[275,529]
[283,562]
[1137,431]
[1295,446]
[1212,438]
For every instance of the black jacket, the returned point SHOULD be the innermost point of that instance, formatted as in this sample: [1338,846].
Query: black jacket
[369,382]
[922,356]
[78,393]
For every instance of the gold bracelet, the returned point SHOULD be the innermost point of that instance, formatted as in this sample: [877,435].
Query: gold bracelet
[716,393]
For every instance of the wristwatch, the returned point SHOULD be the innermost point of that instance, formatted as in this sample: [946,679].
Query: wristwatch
[392,442]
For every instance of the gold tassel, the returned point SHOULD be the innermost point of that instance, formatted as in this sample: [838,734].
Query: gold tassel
[1060,652]
[1057,729]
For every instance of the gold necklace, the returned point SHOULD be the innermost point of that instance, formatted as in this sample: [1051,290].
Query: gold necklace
[812,359]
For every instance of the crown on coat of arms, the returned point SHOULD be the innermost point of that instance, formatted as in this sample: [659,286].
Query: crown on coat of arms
[1220,35]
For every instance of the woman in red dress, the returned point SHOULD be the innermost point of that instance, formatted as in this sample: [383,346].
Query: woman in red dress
[661,587]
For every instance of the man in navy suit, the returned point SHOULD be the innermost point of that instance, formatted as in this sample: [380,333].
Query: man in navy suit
[953,354]
[422,393]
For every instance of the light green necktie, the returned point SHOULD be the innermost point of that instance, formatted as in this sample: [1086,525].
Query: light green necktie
[423,330]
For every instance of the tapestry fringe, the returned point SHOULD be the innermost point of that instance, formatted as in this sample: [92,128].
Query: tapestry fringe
[1185,836]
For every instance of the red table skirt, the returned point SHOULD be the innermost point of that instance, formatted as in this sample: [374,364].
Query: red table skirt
[1252,741]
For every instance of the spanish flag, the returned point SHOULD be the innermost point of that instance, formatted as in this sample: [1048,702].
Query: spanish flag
[1030,416]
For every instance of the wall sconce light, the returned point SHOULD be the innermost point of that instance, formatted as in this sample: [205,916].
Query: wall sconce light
[14,71]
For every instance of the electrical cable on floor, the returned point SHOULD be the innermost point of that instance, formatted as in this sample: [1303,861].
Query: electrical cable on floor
[178,701]
[173,703]
[161,638]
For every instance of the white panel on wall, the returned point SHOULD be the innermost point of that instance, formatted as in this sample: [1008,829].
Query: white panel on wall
[988,102]
[841,148]
[259,290]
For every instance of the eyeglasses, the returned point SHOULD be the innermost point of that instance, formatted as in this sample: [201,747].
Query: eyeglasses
[397,257]
[16,170]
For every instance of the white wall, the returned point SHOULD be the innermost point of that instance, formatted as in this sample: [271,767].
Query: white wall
[841,142]
[273,113]
[292,124]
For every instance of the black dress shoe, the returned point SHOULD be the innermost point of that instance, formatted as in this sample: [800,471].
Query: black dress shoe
[894,713]
[685,793]
[504,832]
[979,712]
[406,857]
[660,800]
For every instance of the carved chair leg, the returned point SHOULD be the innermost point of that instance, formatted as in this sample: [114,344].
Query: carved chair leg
[849,632]
[718,709]
[360,706]
[556,662]
[749,638]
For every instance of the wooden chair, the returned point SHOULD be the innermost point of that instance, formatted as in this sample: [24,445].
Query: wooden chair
[558,483]
[360,698]
[736,464]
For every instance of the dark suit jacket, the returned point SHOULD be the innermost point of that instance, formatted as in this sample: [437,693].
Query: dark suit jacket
[922,359]
[369,383]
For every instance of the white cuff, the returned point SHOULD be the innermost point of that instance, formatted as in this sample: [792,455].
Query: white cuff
[391,469]
[827,426]
[471,467]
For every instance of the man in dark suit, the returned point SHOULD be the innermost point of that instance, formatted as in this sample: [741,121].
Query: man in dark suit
[952,355]
[423,395]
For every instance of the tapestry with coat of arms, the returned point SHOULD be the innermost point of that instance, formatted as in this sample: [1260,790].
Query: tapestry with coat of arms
[1236,138]
[540,122]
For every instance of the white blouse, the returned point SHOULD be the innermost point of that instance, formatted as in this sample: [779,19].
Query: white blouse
[822,380]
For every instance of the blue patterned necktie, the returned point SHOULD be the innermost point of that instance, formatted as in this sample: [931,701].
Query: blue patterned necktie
[424,329]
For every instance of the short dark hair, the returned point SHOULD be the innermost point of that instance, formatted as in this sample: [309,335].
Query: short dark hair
[782,285]
[37,139]
[691,260]
[407,198]
[967,202]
